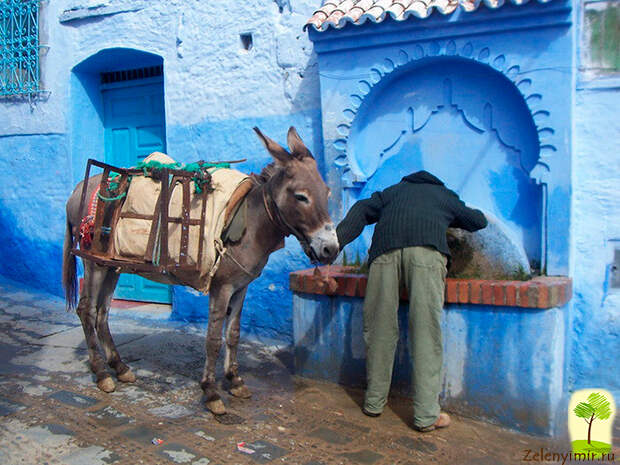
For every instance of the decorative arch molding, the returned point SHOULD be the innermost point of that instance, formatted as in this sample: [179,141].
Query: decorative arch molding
[403,61]
[116,59]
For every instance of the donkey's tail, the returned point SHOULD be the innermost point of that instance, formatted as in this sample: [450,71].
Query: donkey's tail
[69,276]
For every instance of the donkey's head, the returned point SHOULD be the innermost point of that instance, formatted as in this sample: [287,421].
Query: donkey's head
[300,198]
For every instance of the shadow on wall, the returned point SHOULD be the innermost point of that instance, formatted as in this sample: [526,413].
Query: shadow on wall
[309,97]
[26,259]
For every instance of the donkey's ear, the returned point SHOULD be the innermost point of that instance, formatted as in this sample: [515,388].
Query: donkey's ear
[275,149]
[296,145]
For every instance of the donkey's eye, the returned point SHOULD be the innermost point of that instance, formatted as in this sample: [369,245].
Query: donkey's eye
[302,198]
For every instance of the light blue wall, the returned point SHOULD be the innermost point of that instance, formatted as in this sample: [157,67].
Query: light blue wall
[530,46]
[215,92]
[34,184]
[501,364]
[595,309]
[267,312]
[596,232]
[575,112]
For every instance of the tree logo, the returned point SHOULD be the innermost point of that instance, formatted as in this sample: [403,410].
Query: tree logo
[591,414]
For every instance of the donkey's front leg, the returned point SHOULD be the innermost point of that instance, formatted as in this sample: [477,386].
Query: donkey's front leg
[231,368]
[218,303]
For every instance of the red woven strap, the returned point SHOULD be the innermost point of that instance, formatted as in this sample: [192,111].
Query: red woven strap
[87,225]
[92,205]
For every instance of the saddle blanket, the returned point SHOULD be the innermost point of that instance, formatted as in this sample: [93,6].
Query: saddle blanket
[131,234]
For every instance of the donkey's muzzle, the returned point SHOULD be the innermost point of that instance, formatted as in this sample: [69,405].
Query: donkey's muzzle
[324,244]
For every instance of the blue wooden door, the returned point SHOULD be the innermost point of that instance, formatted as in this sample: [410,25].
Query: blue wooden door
[135,126]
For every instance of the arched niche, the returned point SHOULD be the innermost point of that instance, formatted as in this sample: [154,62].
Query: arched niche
[466,123]
[87,134]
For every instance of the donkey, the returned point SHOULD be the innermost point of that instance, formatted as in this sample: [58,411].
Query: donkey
[289,197]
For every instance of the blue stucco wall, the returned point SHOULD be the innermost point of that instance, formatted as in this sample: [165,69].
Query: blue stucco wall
[540,49]
[33,188]
[596,231]
[369,65]
[214,91]
[594,325]
[501,364]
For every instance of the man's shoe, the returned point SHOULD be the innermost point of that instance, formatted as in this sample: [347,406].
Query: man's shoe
[443,421]
[369,414]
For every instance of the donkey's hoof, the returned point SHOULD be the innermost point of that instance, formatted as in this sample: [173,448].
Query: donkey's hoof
[216,407]
[106,384]
[127,377]
[241,391]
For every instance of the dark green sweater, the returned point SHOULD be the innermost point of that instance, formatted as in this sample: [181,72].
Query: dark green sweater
[415,212]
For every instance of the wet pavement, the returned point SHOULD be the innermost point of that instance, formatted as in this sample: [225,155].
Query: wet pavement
[52,413]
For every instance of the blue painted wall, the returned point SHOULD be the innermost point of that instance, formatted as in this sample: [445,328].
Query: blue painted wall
[543,51]
[595,309]
[215,92]
[495,67]
[35,175]
[501,364]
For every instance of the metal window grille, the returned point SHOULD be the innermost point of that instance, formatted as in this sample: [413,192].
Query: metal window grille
[131,74]
[19,47]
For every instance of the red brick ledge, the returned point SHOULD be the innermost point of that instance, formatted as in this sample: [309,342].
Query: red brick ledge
[540,292]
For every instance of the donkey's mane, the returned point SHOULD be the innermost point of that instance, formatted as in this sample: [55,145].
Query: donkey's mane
[267,173]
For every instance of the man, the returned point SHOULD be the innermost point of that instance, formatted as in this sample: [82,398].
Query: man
[409,248]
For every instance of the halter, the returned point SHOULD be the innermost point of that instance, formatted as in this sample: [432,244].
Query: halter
[278,220]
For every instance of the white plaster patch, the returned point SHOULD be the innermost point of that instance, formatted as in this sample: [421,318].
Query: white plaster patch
[558,344]
[358,347]
[510,342]
[455,350]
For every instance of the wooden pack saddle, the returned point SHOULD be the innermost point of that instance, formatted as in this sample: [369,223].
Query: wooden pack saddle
[160,220]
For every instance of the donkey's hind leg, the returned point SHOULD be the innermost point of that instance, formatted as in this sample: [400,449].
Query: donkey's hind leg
[218,303]
[123,372]
[231,367]
[94,277]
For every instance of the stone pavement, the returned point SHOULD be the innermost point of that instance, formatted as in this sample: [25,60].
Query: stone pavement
[52,413]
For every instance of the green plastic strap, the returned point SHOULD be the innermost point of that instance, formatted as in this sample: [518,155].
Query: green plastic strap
[111,199]
[195,167]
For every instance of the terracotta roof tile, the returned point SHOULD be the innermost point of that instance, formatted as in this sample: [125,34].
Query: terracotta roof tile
[338,13]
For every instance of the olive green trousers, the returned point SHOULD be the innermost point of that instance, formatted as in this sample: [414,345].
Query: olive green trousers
[422,271]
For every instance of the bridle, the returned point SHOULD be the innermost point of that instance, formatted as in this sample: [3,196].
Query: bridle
[278,220]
